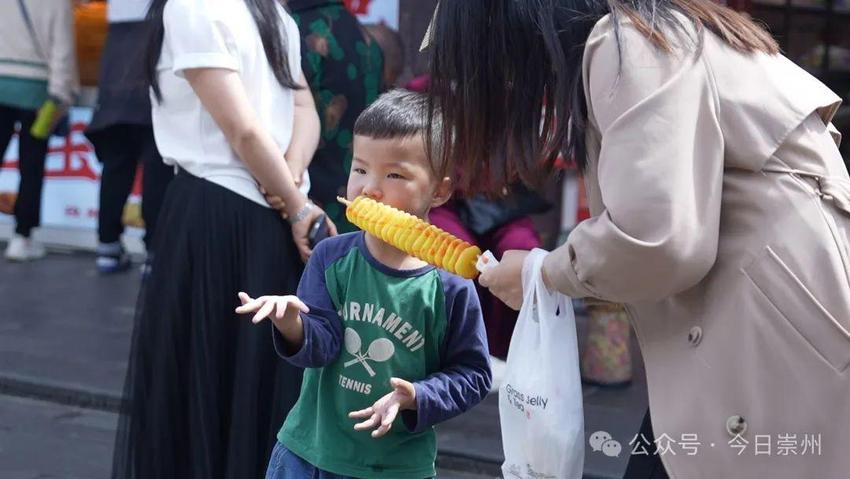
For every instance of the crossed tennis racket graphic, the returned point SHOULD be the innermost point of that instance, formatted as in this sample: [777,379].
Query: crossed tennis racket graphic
[380,350]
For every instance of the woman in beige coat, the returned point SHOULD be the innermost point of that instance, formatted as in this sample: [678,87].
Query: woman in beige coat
[721,210]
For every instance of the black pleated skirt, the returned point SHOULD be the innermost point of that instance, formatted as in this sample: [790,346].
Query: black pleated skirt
[205,392]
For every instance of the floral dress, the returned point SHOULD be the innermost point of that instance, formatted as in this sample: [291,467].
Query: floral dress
[343,67]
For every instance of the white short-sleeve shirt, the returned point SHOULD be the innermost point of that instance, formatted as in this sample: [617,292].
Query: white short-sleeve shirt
[218,34]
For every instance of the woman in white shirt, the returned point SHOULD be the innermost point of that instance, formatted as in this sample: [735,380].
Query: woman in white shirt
[230,111]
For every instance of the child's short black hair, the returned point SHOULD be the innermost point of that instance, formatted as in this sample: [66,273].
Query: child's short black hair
[399,114]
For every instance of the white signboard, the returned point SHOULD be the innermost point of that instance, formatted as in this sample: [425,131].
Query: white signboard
[127,10]
[72,179]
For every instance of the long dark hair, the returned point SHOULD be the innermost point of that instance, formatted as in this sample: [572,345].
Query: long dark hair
[269,24]
[507,77]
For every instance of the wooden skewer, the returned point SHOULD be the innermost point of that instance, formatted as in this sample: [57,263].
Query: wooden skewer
[343,201]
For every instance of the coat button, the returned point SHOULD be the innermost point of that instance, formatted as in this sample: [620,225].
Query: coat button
[695,335]
[736,425]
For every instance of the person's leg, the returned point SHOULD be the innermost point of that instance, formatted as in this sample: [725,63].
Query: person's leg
[155,179]
[647,464]
[8,118]
[118,152]
[284,464]
[499,318]
[20,248]
[32,156]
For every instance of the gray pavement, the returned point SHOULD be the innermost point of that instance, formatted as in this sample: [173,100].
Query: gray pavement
[64,337]
[44,440]
[64,326]
[41,440]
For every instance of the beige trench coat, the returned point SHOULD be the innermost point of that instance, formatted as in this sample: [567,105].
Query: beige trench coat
[721,215]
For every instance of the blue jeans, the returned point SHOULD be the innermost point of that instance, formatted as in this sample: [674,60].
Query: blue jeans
[284,464]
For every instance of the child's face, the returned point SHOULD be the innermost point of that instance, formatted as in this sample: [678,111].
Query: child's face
[396,172]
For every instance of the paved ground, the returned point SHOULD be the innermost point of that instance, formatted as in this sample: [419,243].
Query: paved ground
[44,440]
[41,440]
[64,335]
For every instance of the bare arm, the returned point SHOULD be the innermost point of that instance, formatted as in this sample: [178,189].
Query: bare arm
[223,95]
[305,132]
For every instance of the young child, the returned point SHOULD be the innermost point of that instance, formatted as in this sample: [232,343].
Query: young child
[382,335]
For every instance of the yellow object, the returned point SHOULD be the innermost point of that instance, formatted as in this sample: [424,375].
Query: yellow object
[413,236]
[7,202]
[45,120]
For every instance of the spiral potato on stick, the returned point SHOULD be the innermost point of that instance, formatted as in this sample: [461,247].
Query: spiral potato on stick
[413,236]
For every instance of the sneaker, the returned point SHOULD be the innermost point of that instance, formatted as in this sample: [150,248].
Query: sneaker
[111,258]
[24,249]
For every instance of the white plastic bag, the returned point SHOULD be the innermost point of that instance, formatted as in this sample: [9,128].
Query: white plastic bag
[540,400]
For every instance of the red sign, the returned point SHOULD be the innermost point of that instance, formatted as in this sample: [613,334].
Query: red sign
[358,7]
[77,157]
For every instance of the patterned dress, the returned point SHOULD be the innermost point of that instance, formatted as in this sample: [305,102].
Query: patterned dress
[343,67]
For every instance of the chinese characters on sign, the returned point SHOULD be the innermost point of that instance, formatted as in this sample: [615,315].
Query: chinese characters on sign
[689,444]
[71,178]
[75,156]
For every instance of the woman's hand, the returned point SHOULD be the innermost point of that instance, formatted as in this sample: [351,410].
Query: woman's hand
[275,202]
[505,279]
[301,231]
[382,414]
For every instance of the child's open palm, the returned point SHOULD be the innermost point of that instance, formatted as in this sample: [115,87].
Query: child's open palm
[276,307]
[382,414]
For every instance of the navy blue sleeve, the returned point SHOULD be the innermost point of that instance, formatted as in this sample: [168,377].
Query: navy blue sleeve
[322,325]
[464,378]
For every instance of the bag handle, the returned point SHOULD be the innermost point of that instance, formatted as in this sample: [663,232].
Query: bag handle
[535,290]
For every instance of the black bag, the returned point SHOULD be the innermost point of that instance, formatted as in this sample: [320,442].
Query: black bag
[483,215]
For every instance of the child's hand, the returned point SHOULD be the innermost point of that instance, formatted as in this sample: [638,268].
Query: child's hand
[384,411]
[264,305]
